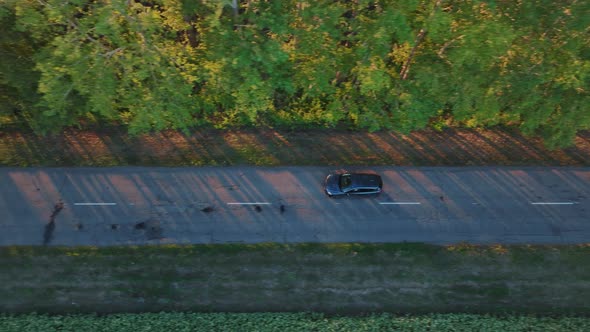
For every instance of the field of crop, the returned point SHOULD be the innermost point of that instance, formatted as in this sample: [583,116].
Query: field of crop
[286,322]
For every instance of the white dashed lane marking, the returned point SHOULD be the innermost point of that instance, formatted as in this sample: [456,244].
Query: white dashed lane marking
[554,203]
[400,203]
[86,204]
[267,203]
[248,203]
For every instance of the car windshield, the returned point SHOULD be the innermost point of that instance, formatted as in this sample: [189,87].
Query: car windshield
[345,181]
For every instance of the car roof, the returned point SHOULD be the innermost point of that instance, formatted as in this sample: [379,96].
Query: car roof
[364,179]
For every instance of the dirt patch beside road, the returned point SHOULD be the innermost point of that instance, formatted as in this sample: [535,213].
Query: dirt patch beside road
[450,147]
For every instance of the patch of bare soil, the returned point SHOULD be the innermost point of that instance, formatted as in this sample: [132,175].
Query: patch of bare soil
[450,147]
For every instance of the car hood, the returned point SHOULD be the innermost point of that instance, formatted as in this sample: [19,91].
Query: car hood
[332,184]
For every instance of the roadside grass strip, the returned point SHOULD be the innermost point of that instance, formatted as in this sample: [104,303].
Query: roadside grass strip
[408,278]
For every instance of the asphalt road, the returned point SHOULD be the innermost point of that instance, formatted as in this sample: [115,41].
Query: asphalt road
[131,205]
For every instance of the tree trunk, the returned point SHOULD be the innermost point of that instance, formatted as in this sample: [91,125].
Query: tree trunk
[234,5]
[406,67]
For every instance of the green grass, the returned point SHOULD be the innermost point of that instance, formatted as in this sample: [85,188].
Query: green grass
[330,278]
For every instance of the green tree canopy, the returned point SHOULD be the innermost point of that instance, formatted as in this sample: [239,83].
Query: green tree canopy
[377,65]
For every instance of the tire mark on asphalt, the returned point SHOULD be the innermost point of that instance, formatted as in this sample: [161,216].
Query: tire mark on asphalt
[151,228]
[50,226]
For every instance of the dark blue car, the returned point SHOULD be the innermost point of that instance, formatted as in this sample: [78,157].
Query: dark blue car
[353,184]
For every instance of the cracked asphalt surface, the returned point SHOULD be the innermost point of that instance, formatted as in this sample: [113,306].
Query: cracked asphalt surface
[440,205]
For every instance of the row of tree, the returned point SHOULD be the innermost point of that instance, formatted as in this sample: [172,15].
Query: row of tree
[391,64]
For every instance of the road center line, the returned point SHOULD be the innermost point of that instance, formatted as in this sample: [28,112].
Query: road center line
[553,203]
[248,203]
[95,203]
[400,203]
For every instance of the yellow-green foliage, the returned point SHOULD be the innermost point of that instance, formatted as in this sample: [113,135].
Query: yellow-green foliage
[154,65]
